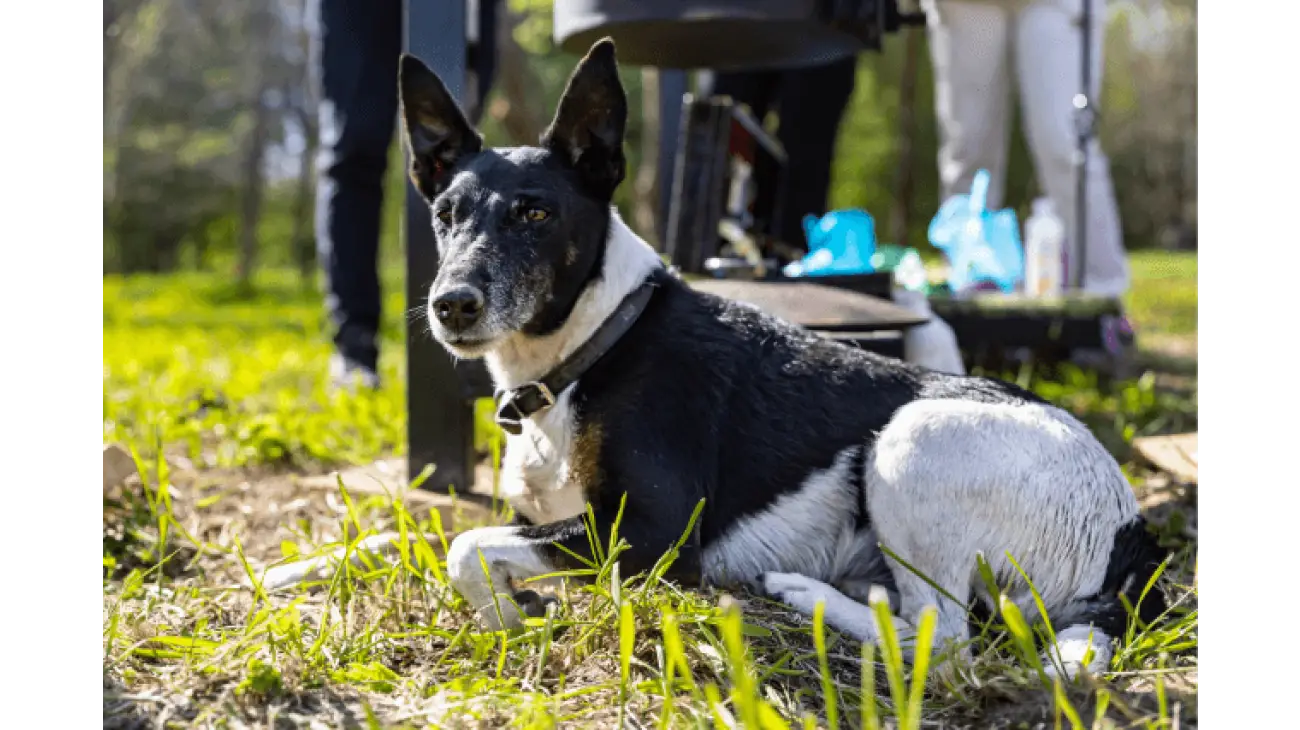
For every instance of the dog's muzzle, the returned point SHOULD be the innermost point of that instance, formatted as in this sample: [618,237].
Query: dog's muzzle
[458,308]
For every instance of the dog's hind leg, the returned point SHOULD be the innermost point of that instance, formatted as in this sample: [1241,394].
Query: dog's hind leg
[1089,623]
[841,613]
[1024,484]
[915,594]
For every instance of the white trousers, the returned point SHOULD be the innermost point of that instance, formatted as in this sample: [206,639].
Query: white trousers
[978,48]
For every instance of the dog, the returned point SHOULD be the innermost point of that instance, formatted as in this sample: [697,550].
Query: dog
[622,388]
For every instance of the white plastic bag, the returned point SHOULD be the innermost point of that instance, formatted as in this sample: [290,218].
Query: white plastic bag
[933,344]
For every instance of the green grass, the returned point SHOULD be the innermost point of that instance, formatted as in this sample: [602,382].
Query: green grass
[235,379]
[1162,302]
[235,383]
[230,378]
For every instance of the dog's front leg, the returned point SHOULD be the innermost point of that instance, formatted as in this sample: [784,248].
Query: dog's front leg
[481,564]
[523,552]
[841,612]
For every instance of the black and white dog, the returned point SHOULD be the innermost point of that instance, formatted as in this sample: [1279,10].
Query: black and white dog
[616,378]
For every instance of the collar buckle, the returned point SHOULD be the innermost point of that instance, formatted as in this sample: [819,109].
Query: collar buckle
[523,402]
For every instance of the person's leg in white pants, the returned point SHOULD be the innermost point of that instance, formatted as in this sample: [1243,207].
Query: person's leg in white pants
[972,44]
[969,44]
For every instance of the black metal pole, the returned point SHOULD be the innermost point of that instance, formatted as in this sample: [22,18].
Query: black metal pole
[1084,121]
[672,85]
[439,422]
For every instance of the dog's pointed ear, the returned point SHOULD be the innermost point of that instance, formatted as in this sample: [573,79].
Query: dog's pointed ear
[436,130]
[587,132]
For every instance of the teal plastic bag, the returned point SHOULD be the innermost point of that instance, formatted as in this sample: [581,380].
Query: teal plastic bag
[905,263]
[982,246]
[840,242]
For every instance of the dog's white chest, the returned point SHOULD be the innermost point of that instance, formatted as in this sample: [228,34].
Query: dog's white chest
[536,471]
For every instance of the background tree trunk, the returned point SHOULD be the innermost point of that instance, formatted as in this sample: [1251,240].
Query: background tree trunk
[261,30]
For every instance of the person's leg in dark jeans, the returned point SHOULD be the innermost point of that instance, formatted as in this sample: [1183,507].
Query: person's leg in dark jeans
[810,103]
[358,46]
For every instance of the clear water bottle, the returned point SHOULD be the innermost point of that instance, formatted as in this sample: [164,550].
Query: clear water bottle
[1044,251]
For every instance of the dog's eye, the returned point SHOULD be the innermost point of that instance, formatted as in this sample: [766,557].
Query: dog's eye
[534,214]
[444,217]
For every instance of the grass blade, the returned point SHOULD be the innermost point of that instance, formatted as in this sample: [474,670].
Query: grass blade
[870,716]
[673,649]
[1064,706]
[920,665]
[942,591]
[1099,714]
[546,639]
[742,681]
[892,654]
[618,520]
[667,668]
[1038,599]
[829,696]
[721,717]
[496,601]
[626,641]
[1022,637]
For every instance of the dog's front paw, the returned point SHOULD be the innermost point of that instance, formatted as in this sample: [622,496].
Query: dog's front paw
[501,615]
[797,591]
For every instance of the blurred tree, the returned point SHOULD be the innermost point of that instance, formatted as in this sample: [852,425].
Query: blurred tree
[1148,123]
[300,94]
[260,28]
[109,18]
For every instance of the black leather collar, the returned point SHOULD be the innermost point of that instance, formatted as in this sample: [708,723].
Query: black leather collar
[529,399]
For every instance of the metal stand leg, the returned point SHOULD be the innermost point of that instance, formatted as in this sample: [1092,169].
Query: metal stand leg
[672,85]
[1085,122]
[440,419]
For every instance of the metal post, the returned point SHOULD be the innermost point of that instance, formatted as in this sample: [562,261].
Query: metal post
[1085,121]
[439,420]
[672,85]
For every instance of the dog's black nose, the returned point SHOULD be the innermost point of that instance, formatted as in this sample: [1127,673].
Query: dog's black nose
[458,308]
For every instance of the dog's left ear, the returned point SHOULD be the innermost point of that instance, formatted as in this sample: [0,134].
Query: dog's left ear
[587,131]
[436,130]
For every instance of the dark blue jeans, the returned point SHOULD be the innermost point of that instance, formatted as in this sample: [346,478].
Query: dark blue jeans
[358,46]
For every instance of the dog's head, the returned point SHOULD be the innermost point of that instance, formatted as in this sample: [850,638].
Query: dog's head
[521,231]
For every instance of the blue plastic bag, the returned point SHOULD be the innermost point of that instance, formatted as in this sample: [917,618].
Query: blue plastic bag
[982,246]
[840,242]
